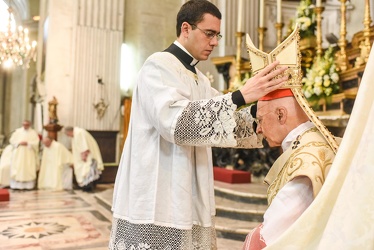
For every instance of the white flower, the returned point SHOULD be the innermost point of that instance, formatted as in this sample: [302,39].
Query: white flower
[305,22]
[322,78]
[332,68]
[318,80]
[335,77]
[210,77]
[307,94]
[318,90]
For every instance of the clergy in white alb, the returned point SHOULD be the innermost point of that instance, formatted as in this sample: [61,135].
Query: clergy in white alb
[25,157]
[56,171]
[88,163]
[5,160]
[164,189]
[342,215]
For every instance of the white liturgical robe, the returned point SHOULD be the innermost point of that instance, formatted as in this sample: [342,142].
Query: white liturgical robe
[341,216]
[165,178]
[5,160]
[81,142]
[25,159]
[55,166]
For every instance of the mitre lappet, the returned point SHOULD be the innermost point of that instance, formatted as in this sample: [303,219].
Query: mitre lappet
[288,54]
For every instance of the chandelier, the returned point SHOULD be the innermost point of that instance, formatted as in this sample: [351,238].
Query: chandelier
[15,48]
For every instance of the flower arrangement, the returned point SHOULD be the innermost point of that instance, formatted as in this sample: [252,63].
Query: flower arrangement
[306,17]
[235,84]
[322,79]
[210,77]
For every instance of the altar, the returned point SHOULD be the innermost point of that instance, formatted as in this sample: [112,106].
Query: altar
[348,59]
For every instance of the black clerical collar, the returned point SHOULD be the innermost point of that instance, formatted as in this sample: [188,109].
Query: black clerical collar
[188,61]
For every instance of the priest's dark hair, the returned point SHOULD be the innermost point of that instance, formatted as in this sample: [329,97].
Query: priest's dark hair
[193,12]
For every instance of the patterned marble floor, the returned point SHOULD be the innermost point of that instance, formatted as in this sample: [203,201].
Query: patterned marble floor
[43,220]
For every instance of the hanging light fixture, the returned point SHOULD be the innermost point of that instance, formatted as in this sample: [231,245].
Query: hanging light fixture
[15,47]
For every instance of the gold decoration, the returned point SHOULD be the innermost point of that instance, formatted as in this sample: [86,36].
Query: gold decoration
[278,27]
[101,107]
[52,109]
[261,34]
[341,56]
[365,45]
[318,11]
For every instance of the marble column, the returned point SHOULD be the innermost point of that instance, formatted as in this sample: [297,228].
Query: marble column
[81,60]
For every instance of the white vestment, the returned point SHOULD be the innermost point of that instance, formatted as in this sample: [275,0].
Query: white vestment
[342,215]
[55,172]
[165,182]
[291,201]
[5,161]
[81,142]
[25,159]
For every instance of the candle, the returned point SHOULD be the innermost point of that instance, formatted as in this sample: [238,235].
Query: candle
[319,3]
[262,10]
[240,7]
[279,11]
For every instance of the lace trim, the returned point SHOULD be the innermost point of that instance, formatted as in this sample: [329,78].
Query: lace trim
[93,174]
[215,122]
[244,133]
[129,236]
[207,122]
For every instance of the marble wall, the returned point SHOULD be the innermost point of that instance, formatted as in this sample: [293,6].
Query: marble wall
[82,42]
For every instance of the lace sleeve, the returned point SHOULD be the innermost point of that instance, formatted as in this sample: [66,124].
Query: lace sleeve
[215,122]
[245,134]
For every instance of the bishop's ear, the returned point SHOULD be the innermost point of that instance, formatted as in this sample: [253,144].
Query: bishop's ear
[281,114]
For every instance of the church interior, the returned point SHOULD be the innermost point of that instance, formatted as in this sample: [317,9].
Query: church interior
[74,63]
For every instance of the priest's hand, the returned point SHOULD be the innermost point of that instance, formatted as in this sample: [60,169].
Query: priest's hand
[263,83]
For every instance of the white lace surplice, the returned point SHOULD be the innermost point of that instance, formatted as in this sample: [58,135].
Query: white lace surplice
[164,196]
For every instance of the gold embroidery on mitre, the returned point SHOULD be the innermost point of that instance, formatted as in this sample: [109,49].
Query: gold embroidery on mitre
[287,53]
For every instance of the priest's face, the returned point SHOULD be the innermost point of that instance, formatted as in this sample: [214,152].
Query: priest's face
[47,142]
[69,133]
[201,38]
[26,125]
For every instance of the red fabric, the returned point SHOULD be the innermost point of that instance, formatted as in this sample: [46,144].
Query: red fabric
[4,195]
[231,176]
[254,240]
[277,94]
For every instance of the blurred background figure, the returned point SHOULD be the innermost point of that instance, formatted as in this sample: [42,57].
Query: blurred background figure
[5,160]
[56,171]
[25,157]
[88,163]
